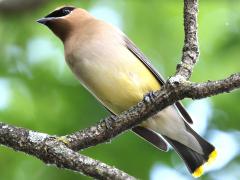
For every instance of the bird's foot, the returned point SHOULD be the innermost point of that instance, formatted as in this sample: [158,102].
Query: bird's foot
[149,97]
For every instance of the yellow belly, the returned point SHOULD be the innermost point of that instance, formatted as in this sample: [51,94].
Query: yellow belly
[117,84]
[127,89]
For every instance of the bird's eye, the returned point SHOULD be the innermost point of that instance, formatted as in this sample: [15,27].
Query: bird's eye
[66,11]
[60,12]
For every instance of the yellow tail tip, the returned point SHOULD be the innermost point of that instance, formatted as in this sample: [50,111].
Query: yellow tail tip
[212,157]
[198,172]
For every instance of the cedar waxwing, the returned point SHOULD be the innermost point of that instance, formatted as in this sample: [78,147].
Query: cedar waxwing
[118,74]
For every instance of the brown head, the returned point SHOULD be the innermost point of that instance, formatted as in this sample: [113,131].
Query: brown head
[64,20]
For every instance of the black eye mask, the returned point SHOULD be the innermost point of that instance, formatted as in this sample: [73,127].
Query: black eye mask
[61,12]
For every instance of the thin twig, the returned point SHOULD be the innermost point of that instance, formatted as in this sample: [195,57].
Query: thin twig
[190,48]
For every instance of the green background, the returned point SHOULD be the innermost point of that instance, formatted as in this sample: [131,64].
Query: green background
[38,91]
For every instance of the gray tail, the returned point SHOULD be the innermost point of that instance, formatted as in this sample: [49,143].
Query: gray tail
[194,160]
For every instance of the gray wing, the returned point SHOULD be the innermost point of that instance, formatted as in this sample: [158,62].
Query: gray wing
[137,52]
[150,136]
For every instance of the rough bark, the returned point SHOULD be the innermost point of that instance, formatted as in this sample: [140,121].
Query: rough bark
[152,103]
[190,50]
[51,150]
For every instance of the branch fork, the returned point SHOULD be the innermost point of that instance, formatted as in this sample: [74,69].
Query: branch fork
[62,151]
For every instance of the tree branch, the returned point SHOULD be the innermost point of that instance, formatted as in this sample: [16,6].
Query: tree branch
[152,103]
[52,151]
[62,151]
[190,48]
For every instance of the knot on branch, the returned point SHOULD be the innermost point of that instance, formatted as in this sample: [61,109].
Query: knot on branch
[176,80]
[191,46]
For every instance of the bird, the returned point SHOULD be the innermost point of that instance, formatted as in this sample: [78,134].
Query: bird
[115,71]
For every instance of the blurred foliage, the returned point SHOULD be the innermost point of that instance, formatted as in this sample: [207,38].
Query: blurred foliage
[39,92]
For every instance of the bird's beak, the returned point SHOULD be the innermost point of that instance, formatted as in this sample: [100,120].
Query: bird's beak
[45,20]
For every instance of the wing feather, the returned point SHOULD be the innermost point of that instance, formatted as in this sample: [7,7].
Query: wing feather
[137,52]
